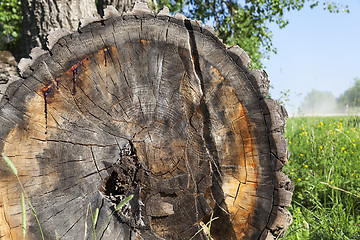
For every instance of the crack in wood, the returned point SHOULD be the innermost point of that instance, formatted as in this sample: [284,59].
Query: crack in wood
[94,160]
[47,90]
[72,226]
[74,143]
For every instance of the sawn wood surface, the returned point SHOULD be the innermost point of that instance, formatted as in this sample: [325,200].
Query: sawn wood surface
[150,105]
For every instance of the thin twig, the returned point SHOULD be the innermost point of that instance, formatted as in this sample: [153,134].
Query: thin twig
[340,189]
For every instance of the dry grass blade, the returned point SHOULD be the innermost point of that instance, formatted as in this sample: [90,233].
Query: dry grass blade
[340,189]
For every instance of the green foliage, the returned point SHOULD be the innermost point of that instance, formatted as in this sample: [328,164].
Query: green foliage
[245,23]
[351,97]
[319,102]
[10,22]
[324,166]
[284,97]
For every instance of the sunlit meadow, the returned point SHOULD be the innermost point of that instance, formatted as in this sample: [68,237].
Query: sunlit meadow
[325,167]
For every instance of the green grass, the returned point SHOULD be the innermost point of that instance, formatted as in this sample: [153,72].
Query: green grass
[325,167]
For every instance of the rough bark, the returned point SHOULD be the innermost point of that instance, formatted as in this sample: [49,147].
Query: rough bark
[8,71]
[8,66]
[120,5]
[151,105]
[42,16]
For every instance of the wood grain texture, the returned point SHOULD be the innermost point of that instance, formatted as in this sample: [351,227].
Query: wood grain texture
[151,105]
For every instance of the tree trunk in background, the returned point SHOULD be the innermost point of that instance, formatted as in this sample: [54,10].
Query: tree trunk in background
[154,106]
[8,70]
[120,5]
[42,16]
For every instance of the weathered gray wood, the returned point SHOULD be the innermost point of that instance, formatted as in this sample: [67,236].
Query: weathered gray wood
[154,106]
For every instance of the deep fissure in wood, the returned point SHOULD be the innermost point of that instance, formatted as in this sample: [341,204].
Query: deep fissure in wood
[75,72]
[47,90]
[127,176]
[225,228]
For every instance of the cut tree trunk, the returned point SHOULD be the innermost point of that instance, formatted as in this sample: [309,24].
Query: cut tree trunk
[150,105]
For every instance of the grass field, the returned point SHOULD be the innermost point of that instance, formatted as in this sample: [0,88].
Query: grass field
[325,167]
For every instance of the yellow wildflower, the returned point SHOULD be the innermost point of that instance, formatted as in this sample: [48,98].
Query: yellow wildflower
[299,179]
[342,149]
[301,155]
[353,140]
[306,166]
[321,123]
[321,147]
[331,182]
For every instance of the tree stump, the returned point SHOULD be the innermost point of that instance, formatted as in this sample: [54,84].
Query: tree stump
[150,105]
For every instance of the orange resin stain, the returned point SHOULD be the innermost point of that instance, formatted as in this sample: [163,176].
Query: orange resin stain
[145,42]
[78,64]
[48,91]
[217,72]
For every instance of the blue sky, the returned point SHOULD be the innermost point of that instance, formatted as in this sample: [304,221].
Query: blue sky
[317,50]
